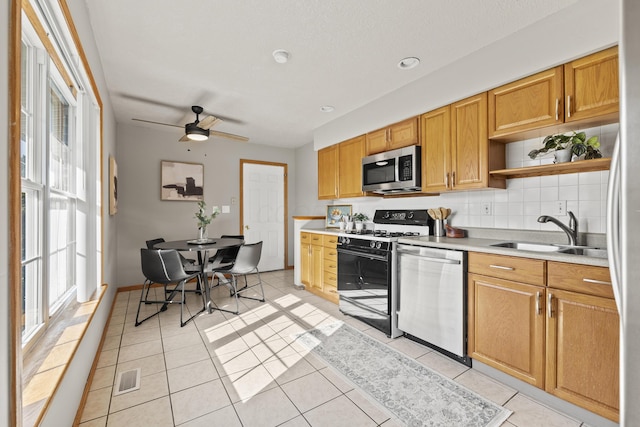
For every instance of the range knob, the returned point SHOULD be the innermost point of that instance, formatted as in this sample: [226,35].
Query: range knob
[386,215]
[378,244]
[410,215]
[372,244]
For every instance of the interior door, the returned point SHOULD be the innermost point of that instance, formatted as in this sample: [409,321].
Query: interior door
[263,210]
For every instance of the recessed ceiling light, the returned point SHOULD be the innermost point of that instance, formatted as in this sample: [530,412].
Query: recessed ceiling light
[327,108]
[408,63]
[281,56]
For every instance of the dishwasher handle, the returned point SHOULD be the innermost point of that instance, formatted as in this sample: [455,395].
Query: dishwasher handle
[428,258]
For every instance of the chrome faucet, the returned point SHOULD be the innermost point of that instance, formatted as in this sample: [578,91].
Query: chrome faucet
[571,230]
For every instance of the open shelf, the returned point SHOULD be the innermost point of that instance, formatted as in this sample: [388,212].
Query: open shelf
[554,169]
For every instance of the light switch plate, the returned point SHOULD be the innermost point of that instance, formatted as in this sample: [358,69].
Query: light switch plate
[226,209]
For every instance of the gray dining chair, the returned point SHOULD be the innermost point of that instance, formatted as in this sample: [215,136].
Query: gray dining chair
[164,267]
[189,265]
[246,262]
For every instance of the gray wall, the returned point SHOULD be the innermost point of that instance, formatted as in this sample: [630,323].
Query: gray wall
[142,215]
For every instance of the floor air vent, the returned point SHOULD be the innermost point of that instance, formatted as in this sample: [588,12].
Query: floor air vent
[127,381]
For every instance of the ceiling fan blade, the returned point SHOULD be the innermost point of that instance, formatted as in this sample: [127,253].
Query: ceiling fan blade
[228,136]
[208,122]
[157,123]
[184,138]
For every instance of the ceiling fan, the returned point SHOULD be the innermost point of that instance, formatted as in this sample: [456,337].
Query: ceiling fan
[200,130]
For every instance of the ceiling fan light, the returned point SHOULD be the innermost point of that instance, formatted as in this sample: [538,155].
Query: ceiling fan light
[195,133]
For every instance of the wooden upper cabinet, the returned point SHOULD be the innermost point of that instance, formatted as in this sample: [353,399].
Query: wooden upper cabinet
[435,133]
[456,151]
[328,172]
[591,86]
[350,154]
[397,135]
[532,102]
[472,154]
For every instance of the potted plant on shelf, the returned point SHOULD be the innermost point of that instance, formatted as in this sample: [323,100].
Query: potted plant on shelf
[565,146]
[359,219]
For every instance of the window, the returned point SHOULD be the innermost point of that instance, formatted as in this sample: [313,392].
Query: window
[59,161]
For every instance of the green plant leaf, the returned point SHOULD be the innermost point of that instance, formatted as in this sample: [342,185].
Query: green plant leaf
[593,142]
[580,136]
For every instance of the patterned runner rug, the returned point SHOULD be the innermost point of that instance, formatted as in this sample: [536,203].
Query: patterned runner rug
[415,394]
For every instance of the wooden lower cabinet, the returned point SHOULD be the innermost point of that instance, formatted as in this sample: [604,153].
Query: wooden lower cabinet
[583,351]
[507,327]
[330,272]
[560,334]
[319,264]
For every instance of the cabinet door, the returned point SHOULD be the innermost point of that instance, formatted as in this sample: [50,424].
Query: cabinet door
[469,143]
[526,104]
[377,141]
[583,351]
[328,173]
[403,134]
[305,260]
[317,256]
[350,154]
[506,327]
[591,86]
[435,135]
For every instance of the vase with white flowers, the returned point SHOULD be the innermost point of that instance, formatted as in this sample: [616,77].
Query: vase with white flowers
[204,220]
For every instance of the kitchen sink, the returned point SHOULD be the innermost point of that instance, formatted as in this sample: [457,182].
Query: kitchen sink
[585,251]
[550,247]
[526,246]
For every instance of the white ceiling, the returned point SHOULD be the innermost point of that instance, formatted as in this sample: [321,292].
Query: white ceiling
[162,56]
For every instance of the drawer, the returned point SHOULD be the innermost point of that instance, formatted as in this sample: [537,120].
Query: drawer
[330,278]
[315,239]
[305,237]
[330,266]
[330,254]
[329,241]
[523,270]
[586,279]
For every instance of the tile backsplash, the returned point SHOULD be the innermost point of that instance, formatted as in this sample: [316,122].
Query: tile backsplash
[524,199]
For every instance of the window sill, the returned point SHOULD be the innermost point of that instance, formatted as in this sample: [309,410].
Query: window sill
[46,363]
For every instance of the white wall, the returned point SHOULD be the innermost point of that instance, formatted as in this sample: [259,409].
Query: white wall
[585,27]
[142,215]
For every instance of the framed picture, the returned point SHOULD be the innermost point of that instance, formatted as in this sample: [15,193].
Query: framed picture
[182,181]
[113,186]
[335,214]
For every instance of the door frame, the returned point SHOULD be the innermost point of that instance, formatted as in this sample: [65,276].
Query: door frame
[286,202]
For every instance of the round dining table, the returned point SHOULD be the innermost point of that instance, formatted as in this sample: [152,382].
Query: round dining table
[203,248]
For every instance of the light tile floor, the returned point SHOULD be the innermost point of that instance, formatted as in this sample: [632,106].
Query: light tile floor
[245,370]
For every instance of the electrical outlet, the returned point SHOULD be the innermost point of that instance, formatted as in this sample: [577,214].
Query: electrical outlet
[486,208]
[560,207]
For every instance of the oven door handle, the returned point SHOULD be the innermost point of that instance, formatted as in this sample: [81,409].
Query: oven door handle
[361,254]
[428,258]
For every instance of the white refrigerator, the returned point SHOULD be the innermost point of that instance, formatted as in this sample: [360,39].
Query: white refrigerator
[623,213]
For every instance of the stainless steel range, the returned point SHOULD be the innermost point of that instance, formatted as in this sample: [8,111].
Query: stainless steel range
[367,276]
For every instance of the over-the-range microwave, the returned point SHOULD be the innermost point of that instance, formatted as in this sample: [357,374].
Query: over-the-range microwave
[392,172]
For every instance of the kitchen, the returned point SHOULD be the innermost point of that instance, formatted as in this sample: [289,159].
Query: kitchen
[471,207]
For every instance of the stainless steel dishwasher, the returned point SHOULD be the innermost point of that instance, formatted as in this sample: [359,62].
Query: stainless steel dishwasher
[432,298]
